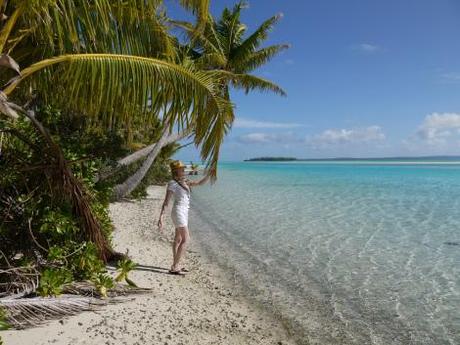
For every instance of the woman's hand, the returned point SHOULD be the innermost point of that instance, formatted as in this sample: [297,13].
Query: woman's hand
[160,224]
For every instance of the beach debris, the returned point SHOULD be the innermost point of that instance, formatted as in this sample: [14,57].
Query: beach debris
[86,288]
[30,312]
[18,282]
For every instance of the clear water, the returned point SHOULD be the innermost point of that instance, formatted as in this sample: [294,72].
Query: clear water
[345,253]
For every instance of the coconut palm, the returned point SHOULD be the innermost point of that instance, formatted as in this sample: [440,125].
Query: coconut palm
[223,47]
[107,60]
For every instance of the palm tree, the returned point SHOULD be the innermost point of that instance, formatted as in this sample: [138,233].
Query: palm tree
[224,48]
[110,59]
[95,58]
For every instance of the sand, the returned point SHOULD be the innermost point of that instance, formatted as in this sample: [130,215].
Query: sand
[198,308]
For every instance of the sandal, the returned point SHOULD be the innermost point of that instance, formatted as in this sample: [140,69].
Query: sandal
[178,273]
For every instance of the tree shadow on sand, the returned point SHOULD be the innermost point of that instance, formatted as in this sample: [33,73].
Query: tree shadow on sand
[155,269]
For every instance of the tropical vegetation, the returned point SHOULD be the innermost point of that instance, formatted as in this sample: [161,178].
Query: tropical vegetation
[96,94]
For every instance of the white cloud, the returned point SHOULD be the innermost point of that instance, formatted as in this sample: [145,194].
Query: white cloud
[327,139]
[367,48]
[266,138]
[438,129]
[451,77]
[249,123]
[347,136]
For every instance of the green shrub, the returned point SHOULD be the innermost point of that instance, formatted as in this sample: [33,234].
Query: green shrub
[52,281]
[3,323]
[103,283]
[124,267]
[85,264]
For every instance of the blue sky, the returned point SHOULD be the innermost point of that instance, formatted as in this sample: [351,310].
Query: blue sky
[364,78]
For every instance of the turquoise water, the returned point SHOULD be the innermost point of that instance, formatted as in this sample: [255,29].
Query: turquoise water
[343,252]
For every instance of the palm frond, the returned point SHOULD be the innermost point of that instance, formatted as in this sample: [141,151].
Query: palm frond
[8,61]
[250,44]
[7,28]
[200,8]
[122,86]
[6,107]
[207,43]
[132,27]
[212,60]
[230,28]
[259,58]
[88,289]
[250,82]
[18,282]
[210,132]
[31,312]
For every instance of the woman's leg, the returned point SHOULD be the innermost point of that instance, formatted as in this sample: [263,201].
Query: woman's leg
[175,245]
[182,238]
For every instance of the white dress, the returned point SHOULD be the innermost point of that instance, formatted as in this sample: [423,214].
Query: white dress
[179,212]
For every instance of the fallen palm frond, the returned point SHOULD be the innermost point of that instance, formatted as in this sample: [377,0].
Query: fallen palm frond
[31,312]
[88,289]
[18,282]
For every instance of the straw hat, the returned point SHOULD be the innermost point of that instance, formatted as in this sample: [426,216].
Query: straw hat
[174,165]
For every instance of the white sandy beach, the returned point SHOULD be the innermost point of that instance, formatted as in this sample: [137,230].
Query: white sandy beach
[198,308]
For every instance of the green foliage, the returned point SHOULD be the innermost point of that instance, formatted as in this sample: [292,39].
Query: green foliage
[103,283]
[85,264]
[29,201]
[52,281]
[99,107]
[125,266]
[56,254]
[55,223]
[3,323]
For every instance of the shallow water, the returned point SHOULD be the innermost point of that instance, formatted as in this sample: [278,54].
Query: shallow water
[355,253]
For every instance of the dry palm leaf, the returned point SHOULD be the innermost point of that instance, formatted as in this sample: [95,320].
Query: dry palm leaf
[6,107]
[88,289]
[30,312]
[18,282]
[8,61]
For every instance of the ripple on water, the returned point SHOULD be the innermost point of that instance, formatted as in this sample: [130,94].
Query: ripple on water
[348,255]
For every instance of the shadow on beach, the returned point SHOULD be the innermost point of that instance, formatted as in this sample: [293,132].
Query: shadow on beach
[155,269]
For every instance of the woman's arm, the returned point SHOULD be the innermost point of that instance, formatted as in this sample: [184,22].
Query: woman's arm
[163,208]
[201,181]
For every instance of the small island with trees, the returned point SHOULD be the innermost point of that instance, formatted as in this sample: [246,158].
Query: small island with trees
[271,159]
[380,159]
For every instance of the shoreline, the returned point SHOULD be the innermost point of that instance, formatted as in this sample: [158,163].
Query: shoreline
[199,308]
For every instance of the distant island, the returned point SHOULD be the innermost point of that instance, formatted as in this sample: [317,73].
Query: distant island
[290,159]
[271,159]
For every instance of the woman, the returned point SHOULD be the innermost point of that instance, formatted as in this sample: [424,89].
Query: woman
[179,188]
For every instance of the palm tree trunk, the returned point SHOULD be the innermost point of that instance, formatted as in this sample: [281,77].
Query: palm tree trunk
[123,189]
[139,154]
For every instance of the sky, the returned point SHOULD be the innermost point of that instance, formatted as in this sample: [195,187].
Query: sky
[365,78]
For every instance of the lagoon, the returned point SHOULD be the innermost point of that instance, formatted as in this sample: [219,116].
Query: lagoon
[345,252]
